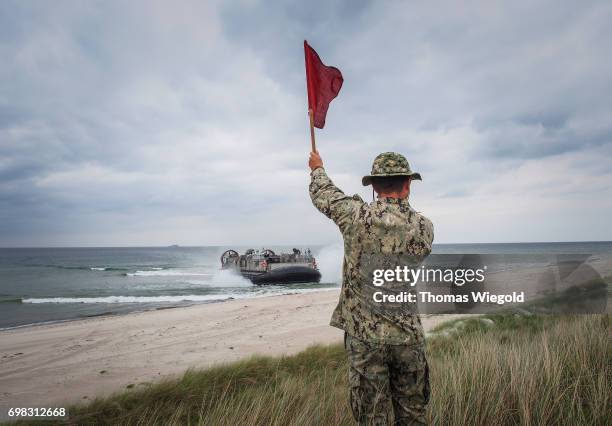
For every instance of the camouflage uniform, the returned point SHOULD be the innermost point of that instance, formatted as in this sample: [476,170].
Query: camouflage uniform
[388,374]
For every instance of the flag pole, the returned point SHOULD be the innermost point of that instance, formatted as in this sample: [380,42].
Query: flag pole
[312,135]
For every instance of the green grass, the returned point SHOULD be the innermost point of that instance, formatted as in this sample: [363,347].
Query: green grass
[535,370]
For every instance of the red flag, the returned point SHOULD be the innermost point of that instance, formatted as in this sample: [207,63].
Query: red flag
[323,84]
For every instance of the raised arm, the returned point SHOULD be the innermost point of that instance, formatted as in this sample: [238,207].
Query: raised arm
[328,198]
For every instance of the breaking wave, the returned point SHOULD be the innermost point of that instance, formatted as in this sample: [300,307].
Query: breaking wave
[173,299]
[135,299]
[82,268]
[160,272]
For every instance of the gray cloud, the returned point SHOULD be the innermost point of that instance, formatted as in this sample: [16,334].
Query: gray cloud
[149,123]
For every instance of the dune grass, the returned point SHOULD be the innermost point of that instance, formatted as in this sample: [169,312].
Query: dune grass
[497,369]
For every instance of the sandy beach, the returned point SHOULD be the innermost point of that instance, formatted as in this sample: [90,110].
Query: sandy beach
[57,364]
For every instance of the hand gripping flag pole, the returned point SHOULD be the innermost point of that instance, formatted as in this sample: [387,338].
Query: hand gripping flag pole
[323,84]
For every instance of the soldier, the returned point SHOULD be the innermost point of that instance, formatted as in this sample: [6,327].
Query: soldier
[388,372]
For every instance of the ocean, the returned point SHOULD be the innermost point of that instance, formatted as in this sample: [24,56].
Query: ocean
[41,285]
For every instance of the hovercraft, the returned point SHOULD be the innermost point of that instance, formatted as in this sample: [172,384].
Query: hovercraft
[266,267]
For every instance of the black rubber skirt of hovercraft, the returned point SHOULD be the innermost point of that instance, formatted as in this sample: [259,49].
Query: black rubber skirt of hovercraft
[288,275]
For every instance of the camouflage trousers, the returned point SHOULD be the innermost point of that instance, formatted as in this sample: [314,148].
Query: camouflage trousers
[389,384]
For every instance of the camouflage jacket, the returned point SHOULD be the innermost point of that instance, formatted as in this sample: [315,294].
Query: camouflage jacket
[381,235]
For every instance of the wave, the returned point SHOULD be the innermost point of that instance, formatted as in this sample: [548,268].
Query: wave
[78,267]
[174,299]
[160,272]
[137,299]
[96,268]
[106,268]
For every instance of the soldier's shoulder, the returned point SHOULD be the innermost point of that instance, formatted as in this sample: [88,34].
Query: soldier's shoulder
[350,204]
[355,203]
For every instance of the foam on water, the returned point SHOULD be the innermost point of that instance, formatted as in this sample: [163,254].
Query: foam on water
[135,299]
[174,299]
[159,272]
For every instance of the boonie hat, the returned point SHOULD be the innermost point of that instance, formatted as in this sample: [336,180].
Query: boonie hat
[390,164]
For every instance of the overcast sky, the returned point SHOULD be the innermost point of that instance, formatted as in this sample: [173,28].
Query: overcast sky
[154,123]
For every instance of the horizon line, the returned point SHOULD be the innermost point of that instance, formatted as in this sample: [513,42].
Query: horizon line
[308,244]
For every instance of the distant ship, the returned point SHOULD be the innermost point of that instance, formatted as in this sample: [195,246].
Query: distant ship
[267,267]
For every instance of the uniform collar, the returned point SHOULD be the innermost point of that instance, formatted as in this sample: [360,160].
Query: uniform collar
[390,200]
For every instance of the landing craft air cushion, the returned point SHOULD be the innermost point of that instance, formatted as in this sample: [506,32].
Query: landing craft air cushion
[268,267]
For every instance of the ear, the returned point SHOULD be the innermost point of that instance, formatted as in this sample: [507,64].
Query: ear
[406,188]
